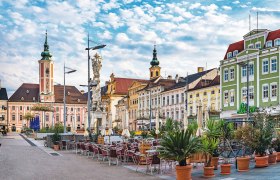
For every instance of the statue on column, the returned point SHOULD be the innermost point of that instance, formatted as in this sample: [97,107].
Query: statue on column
[96,90]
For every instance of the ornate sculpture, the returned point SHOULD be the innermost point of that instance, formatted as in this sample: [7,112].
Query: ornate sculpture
[96,90]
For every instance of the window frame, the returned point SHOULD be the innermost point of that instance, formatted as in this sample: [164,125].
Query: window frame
[265,60]
[266,44]
[259,43]
[225,99]
[231,96]
[273,98]
[265,99]
[253,46]
[235,52]
[226,75]
[229,55]
[230,73]
[273,58]
[277,40]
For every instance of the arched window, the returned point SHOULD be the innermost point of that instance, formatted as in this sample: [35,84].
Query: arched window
[156,73]
[151,73]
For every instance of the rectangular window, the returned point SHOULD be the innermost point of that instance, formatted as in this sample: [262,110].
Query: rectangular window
[226,75]
[191,96]
[277,42]
[273,65]
[225,97]
[265,91]
[20,108]
[269,44]
[258,45]
[152,101]
[231,74]
[78,109]
[244,71]
[13,117]
[13,107]
[182,97]
[56,109]
[177,115]
[191,110]
[231,96]
[27,108]
[235,53]
[229,55]
[213,92]
[172,99]
[78,118]
[47,117]
[244,93]
[273,88]
[167,100]
[197,95]
[20,117]
[251,93]
[163,101]
[155,101]
[177,98]
[251,69]
[265,66]
[57,118]
[205,93]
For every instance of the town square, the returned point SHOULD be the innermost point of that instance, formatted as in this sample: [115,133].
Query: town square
[139,89]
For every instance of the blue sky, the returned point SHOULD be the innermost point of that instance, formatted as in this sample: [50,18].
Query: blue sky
[187,33]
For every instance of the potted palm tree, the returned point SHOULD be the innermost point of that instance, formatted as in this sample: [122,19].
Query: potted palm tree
[213,131]
[209,145]
[179,146]
[244,135]
[226,136]
[276,147]
[56,137]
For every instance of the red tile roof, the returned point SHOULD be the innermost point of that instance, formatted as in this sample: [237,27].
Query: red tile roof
[203,83]
[30,92]
[235,46]
[273,35]
[122,84]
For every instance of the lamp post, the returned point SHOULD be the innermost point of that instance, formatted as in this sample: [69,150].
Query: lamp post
[89,81]
[64,98]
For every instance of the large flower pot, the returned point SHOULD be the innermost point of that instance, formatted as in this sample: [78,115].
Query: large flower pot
[56,147]
[184,172]
[214,162]
[243,163]
[272,158]
[261,161]
[278,156]
[225,169]
[209,172]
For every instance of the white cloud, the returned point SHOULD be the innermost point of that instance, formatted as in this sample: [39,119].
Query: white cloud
[195,6]
[111,5]
[226,7]
[122,37]
[105,35]
[114,20]
[235,2]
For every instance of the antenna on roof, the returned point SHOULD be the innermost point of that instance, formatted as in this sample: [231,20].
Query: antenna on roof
[250,22]
[257,21]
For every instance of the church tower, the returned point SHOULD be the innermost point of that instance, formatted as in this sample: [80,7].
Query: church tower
[154,69]
[46,74]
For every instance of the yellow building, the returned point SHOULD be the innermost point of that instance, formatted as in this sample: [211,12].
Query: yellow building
[133,101]
[206,94]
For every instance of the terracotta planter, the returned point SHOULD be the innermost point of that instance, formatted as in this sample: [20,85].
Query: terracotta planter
[214,162]
[272,158]
[225,169]
[261,161]
[209,172]
[278,156]
[243,163]
[56,147]
[184,172]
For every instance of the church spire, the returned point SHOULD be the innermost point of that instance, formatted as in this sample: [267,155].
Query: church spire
[155,61]
[46,55]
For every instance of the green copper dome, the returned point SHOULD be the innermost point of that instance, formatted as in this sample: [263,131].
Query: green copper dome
[155,61]
[46,55]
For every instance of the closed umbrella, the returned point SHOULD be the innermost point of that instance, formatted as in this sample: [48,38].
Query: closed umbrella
[125,132]
[199,121]
[157,123]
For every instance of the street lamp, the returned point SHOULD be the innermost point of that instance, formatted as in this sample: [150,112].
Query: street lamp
[64,98]
[89,81]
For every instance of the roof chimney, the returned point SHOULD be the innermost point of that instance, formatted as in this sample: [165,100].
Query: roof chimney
[177,78]
[169,77]
[200,69]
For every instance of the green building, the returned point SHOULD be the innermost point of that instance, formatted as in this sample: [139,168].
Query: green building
[259,50]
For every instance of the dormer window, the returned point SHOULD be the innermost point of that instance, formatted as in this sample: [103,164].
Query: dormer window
[277,42]
[22,98]
[268,44]
[258,45]
[251,46]
[68,93]
[229,55]
[235,53]
[27,91]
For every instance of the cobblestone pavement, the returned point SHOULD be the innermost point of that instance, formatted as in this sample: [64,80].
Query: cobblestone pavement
[19,161]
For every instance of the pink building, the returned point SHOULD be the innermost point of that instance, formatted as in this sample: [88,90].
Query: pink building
[47,94]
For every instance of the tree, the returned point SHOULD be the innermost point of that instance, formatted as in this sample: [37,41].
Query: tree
[28,116]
